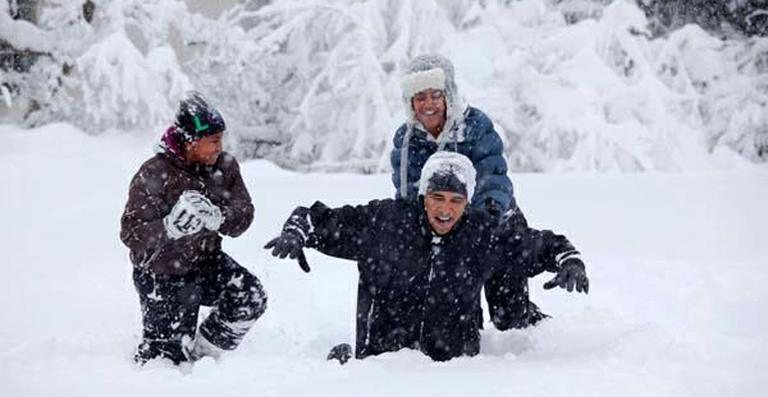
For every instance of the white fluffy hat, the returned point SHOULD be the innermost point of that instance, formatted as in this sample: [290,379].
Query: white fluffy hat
[417,82]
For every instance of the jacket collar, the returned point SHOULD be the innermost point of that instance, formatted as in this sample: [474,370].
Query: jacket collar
[179,162]
[453,130]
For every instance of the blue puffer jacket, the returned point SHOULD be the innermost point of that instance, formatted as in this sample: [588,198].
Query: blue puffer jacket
[476,139]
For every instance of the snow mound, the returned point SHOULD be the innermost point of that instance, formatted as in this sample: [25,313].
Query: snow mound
[676,262]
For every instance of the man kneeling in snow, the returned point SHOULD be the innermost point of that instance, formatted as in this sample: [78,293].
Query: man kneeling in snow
[423,262]
[179,203]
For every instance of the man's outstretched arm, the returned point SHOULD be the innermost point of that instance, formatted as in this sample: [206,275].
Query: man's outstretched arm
[536,251]
[340,232]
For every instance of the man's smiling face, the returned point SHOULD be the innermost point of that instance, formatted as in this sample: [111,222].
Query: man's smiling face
[444,209]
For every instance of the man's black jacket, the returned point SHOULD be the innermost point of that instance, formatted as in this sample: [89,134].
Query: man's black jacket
[419,290]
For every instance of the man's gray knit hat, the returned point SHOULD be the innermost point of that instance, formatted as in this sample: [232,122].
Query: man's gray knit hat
[448,171]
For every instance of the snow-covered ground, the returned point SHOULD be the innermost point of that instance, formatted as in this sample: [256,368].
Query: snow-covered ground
[678,267]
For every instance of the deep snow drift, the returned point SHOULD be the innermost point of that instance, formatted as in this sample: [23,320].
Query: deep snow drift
[677,304]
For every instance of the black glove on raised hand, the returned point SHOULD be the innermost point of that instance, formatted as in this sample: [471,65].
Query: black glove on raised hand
[291,241]
[571,274]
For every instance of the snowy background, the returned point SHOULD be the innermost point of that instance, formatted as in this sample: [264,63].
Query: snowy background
[646,146]
[572,85]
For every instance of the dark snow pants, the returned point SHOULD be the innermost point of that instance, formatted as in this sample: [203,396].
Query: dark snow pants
[507,293]
[170,303]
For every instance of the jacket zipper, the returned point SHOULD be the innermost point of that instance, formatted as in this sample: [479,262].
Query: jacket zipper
[435,250]
[368,323]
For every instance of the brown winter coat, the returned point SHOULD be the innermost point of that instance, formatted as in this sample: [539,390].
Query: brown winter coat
[153,192]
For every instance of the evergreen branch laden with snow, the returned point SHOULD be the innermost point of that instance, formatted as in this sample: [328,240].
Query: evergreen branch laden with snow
[571,85]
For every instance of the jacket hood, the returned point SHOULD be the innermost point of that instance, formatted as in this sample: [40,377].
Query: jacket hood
[171,143]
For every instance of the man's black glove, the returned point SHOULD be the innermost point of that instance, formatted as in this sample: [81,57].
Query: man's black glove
[571,275]
[291,241]
[341,353]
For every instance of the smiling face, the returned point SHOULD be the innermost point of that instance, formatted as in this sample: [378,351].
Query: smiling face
[205,150]
[429,108]
[444,209]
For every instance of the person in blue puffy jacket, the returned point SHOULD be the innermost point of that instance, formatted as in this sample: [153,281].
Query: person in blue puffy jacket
[438,119]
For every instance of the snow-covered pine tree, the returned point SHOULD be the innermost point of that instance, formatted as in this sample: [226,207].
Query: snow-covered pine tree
[22,44]
[317,81]
[720,17]
[125,70]
[313,84]
[108,64]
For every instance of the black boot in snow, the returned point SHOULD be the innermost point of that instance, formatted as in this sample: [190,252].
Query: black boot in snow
[150,350]
[535,314]
[519,318]
[341,352]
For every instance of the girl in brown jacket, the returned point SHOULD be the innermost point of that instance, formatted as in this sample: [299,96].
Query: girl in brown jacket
[180,202]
